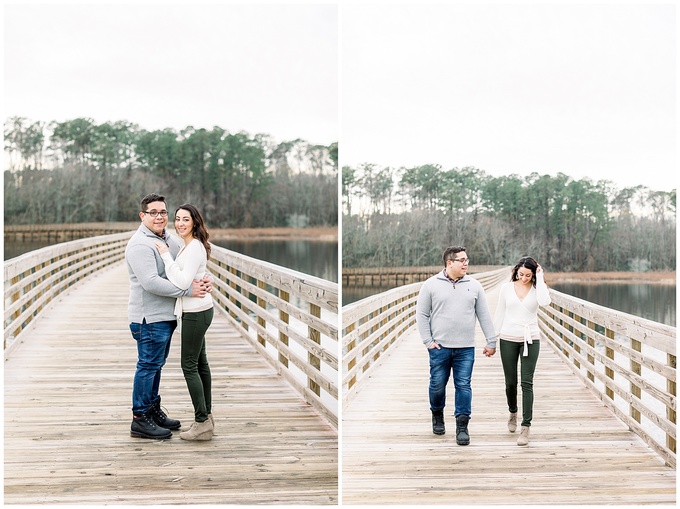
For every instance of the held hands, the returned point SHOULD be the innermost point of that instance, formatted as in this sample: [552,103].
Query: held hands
[161,246]
[489,352]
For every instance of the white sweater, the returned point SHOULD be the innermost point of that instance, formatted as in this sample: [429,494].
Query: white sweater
[516,320]
[190,264]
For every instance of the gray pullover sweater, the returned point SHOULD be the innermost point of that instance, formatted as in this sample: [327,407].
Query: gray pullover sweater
[152,296]
[447,312]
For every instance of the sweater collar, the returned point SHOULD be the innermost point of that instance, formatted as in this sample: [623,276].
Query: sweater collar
[150,233]
[454,281]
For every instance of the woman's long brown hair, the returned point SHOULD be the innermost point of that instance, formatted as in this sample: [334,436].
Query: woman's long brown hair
[199,231]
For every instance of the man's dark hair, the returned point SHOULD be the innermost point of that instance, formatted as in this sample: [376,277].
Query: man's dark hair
[150,198]
[451,253]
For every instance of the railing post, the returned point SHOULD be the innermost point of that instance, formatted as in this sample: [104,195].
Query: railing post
[577,346]
[591,358]
[314,361]
[353,361]
[263,304]
[570,328]
[233,299]
[609,371]
[636,368]
[670,413]
[379,325]
[284,296]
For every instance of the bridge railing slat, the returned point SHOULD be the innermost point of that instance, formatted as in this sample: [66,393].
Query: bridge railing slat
[289,317]
[628,361]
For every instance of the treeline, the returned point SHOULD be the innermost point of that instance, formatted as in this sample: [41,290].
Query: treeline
[406,217]
[79,171]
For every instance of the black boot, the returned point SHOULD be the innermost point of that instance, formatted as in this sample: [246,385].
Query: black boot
[162,420]
[438,427]
[143,426]
[462,436]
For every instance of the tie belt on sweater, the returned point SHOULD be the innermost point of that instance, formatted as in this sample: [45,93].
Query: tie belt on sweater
[527,337]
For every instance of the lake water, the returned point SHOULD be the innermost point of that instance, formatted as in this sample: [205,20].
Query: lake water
[19,247]
[315,258]
[652,301]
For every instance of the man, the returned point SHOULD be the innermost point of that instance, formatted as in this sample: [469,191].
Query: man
[448,306]
[151,315]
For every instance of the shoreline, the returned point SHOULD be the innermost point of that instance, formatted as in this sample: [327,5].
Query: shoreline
[322,234]
[660,278]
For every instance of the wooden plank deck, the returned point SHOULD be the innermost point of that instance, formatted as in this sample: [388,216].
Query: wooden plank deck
[67,418]
[579,452]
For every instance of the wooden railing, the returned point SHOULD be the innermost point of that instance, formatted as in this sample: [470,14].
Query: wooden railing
[62,232]
[290,317]
[629,362]
[34,279]
[370,326]
[397,276]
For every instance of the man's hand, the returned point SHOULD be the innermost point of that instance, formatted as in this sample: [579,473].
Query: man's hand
[489,351]
[207,281]
[433,346]
[198,288]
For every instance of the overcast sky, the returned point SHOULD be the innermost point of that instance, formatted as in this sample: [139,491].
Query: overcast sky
[262,69]
[586,90]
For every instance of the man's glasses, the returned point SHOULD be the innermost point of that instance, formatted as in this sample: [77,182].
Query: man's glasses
[461,260]
[154,213]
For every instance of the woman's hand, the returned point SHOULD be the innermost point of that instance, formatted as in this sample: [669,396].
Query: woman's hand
[161,246]
[539,269]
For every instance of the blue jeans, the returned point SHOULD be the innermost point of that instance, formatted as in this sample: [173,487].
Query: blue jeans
[153,347]
[443,362]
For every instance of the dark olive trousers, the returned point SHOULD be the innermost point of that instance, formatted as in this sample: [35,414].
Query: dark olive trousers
[511,355]
[195,361]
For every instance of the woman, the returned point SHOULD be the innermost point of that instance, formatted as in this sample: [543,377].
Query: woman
[196,314]
[517,327]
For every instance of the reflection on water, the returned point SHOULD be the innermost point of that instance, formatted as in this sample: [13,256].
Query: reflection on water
[316,258]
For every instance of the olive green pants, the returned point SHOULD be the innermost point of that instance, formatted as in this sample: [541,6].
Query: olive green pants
[511,352]
[195,361]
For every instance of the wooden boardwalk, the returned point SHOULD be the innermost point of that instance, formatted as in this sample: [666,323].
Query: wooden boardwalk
[579,453]
[67,418]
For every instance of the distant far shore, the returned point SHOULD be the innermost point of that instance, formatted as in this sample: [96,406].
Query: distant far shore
[662,278]
[326,234]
